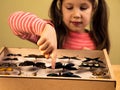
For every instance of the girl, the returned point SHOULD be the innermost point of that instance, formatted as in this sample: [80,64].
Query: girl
[69,19]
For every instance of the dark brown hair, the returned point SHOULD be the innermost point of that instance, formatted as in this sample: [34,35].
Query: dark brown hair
[98,25]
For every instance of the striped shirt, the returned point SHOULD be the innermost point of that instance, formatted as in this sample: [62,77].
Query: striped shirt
[28,26]
[78,41]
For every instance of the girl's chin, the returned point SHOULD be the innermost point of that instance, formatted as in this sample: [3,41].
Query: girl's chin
[77,30]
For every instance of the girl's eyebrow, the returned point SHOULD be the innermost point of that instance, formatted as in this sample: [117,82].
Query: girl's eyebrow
[68,3]
[84,4]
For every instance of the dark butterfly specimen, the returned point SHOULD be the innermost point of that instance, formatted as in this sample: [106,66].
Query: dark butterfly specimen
[63,74]
[40,65]
[8,65]
[27,63]
[93,62]
[10,54]
[9,69]
[35,56]
[66,57]
[10,59]
[68,66]
[100,72]
[30,63]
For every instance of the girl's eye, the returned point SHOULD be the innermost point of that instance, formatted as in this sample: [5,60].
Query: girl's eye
[83,8]
[69,8]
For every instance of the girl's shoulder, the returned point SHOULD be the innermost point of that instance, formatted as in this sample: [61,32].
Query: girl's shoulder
[49,21]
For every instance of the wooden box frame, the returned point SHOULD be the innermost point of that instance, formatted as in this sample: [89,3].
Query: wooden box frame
[53,83]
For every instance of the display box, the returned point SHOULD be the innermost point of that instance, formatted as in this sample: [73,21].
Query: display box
[27,69]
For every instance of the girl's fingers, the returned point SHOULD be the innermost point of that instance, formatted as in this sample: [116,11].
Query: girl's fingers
[85,48]
[53,63]
[47,56]
[47,50]
[44,46]
[48,43]
[53,57]
[40,41]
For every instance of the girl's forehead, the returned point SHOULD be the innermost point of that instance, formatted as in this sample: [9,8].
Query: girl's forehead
[76,1]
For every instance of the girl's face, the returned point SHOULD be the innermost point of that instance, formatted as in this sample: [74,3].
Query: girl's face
[76,14]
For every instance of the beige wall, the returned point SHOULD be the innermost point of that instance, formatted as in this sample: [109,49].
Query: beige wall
[40,8]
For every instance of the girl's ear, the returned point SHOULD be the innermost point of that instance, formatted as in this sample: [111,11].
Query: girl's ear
[94,7]
[58,5]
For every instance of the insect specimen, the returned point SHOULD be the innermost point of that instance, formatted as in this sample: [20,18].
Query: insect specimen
[10,54]
[93,63]
[10,59]
[35,56]
[69,66]
[67,57]
[63,74]
[31,63]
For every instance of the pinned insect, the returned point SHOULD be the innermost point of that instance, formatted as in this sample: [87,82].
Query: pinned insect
[9,69]
[6,69]
[8,65]
[27,63]
[100,72]
[10,54]
[30,63]
[34,56]
[63,74]
[67,57]
[93,63]
[97,67]
[69,66]
[10,59]
[40,65]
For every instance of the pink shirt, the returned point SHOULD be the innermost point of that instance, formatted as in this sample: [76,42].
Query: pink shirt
[78,41]
[28,26]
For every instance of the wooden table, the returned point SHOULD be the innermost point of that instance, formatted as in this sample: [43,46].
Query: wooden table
[116,70]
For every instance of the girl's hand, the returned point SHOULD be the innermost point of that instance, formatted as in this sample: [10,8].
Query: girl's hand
[86,48]
[48,44]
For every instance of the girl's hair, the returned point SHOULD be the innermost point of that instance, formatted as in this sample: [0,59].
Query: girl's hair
[98,25]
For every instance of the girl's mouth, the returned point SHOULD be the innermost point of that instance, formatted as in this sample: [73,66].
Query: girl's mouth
[76,23]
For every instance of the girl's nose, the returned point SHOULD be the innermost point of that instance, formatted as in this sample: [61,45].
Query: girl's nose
[77,14]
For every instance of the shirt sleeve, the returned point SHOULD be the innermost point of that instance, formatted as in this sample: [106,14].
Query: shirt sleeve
[26,25]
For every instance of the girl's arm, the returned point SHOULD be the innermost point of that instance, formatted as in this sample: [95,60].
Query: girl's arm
[48,43]
[26,25]
[29,26]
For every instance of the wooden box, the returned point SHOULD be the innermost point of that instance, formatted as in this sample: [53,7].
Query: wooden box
[21,82]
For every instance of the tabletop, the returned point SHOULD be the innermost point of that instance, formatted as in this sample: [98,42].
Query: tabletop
[116,70]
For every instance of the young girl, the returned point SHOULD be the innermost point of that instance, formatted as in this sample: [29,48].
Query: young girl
[67,27]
